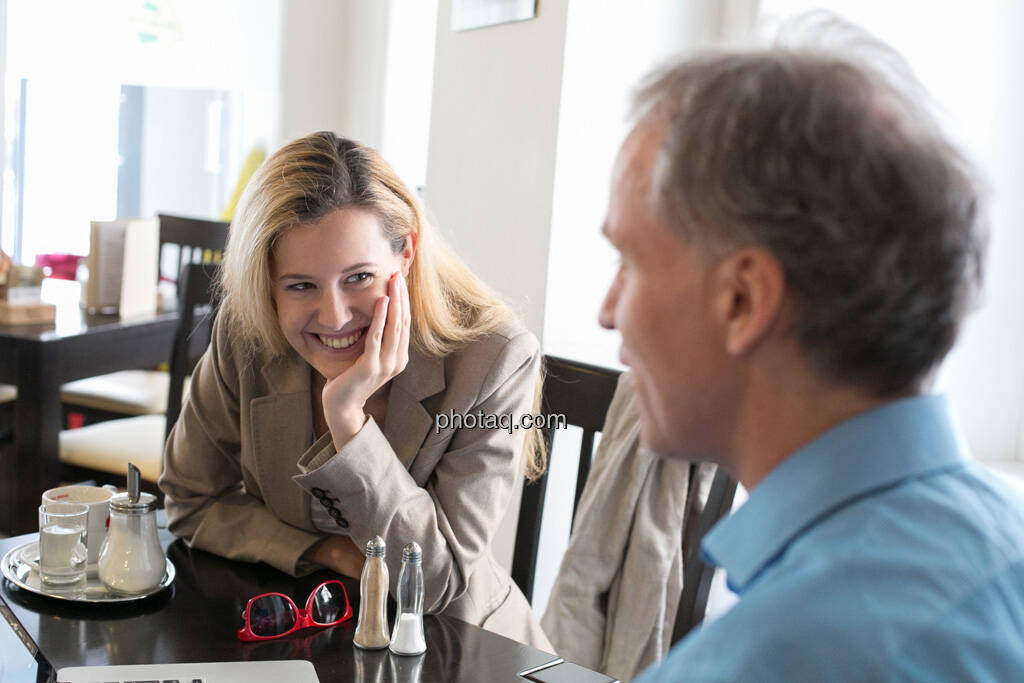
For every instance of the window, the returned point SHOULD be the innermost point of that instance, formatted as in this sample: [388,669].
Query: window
[129,108]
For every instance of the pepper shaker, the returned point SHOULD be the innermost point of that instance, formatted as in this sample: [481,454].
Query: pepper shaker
[408,638]
[372,628]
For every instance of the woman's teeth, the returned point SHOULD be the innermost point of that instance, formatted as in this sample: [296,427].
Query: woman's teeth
[341,342]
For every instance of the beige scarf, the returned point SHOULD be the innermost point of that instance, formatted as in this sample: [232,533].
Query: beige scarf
[614,603]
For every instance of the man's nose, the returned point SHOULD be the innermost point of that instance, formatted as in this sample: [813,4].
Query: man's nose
[606,316]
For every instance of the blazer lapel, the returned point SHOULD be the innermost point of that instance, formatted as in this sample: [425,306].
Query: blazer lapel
[282,428]
[408,422]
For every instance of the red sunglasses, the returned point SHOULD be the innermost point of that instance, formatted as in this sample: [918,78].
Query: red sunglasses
[273,615]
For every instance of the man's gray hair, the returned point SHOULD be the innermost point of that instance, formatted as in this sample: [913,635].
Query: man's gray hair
[830,160]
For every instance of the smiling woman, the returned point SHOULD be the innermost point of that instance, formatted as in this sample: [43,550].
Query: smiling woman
[346,327]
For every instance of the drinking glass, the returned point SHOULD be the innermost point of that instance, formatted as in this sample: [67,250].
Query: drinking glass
[62,549]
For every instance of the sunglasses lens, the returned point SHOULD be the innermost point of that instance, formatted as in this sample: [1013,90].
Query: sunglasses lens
[271,615]
[328,604]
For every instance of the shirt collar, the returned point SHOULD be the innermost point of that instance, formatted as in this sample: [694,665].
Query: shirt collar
[899,440]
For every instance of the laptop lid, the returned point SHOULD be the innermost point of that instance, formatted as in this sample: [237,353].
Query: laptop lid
[273,671]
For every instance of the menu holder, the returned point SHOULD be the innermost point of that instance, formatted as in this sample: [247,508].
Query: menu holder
[123,266]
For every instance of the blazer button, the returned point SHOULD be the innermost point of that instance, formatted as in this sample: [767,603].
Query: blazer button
[342,522]
[318,492]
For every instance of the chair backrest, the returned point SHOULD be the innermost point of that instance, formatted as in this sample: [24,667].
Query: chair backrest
[697,574]
[199,240]
[195,326]
[582,393]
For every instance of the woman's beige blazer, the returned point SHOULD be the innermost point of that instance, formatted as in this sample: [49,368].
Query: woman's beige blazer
[240,463]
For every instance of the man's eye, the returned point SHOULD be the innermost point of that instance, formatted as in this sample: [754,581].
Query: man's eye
[358,277]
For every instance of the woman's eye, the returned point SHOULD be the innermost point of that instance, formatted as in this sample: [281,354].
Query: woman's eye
[358,277]
[300,286]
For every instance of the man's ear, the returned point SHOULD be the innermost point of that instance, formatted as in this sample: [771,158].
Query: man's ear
[750,286]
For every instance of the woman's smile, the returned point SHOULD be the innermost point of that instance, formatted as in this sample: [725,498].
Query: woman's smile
[341,342]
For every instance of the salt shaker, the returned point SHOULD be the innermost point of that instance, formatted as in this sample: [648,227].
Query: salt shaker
[131,560]
[408,638]
[372,628]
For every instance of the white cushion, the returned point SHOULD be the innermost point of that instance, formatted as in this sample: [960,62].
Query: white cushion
[8,392]
[109,446]
[132,392]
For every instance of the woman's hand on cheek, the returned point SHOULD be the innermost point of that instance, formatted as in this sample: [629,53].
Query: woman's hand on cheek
[385,354]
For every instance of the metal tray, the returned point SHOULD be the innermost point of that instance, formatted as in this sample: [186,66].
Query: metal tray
[20,567]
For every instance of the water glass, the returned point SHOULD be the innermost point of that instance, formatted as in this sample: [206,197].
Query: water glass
[62,543]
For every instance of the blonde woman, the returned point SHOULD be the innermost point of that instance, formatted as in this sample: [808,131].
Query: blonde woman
[345,327]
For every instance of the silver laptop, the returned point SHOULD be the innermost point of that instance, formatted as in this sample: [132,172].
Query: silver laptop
[274,671]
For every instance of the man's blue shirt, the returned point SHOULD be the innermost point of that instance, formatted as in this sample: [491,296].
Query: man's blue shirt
[879,551]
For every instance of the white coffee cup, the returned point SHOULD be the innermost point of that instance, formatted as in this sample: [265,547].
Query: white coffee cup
[97,499]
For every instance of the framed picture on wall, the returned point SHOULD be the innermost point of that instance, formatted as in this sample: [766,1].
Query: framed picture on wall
[470,14]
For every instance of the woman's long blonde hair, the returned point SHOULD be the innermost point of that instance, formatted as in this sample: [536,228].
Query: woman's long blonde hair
[320,173]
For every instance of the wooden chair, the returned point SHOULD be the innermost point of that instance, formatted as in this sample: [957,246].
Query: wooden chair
[697,574]
[198,240]
[582,393]
[144,392]
[8,394]
[101,451]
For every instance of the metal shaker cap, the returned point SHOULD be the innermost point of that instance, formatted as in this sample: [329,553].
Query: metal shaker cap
[134,502]
[412,552]
[375,547]
[124,504]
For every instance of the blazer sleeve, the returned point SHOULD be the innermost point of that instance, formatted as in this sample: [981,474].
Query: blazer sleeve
[456,514]
[203,482]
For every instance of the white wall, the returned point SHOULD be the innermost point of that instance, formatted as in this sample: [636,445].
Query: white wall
[332,68]
[408,84]
[491,159]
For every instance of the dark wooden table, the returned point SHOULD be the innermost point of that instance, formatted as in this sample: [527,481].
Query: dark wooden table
[196,619]
[39,359]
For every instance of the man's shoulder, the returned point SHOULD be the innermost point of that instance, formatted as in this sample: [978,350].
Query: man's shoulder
[909,553]
[897,576]
[957,520]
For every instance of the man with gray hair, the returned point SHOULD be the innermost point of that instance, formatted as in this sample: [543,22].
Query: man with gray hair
[799,244]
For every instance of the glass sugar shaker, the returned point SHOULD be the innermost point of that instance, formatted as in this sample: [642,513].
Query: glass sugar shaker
[372,628]
[131,560]
[408,637]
